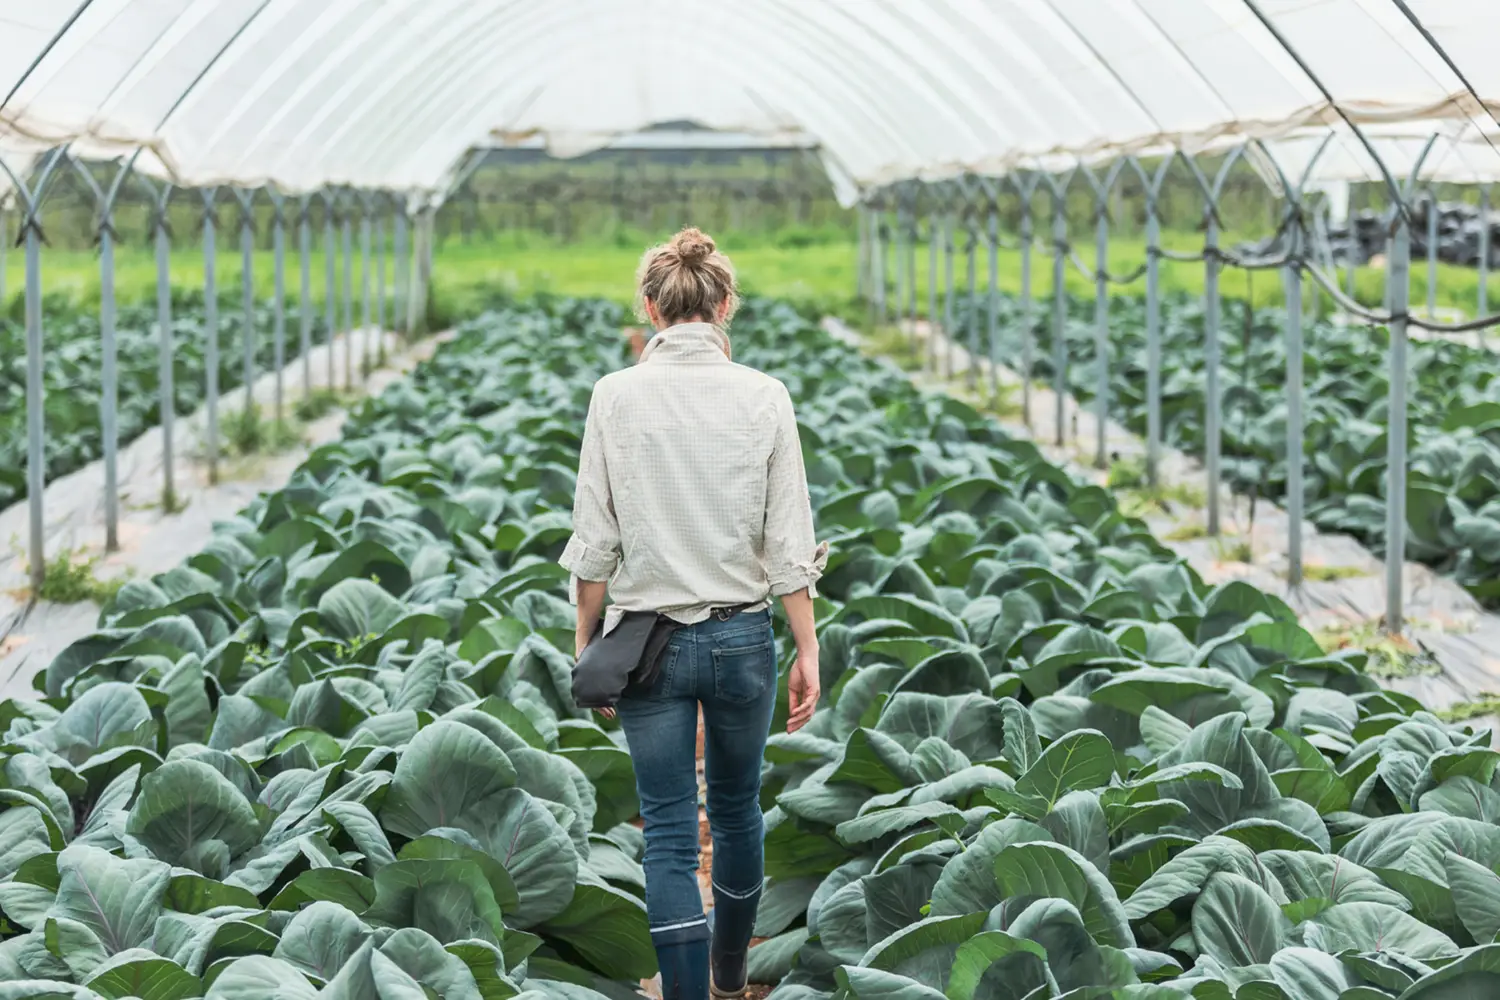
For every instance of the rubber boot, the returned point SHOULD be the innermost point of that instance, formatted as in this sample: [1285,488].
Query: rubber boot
[733,926]
[684,970]
[730,970]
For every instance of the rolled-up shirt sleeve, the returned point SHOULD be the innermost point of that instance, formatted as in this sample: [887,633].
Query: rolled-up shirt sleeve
[593,551]
[794,559]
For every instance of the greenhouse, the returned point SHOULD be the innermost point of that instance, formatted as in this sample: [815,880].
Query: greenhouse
[1144,363]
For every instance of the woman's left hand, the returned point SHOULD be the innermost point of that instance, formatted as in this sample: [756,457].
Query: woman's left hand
[608,713]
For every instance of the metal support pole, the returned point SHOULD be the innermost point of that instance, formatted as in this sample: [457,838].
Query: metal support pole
[1060,312]
[422,270]
[1294,388]
[911,275]
[304,304]
[992,313]
[1432,254]
[1351,266]
[109,376]
[414,289]
[366,238]
[278,306]
[1319,250]
[348,237]
[1101,335]
[30,202]
[168,396]
[36,457]
[381,248]
[330,283]
[1027,332]
[1484,255]
[949,326]
[1390,249]
[211,332]
[890,257]
[1395,493]
[971,314]
[1153,342]
[863,255]
[877,267]
[402,271]
[1211,399]
[414,283]
[247,302]
[429,245]
[109,431]
[933,323]
[898,273]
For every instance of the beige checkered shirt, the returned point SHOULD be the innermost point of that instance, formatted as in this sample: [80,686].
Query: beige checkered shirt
[691,490]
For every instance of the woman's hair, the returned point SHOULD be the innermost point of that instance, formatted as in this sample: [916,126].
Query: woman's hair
[686,277]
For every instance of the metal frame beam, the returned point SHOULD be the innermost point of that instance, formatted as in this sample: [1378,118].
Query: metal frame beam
[31,199]
[211,329]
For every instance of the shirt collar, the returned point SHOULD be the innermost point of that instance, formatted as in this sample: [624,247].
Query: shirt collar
[688,342]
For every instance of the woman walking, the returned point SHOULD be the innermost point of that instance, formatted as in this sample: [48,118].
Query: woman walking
[692,502]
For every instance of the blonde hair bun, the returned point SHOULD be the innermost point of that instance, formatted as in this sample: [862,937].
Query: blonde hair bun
[693,246]
[687,278]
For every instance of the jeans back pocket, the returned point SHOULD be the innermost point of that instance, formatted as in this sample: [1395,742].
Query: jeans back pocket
[662,685]
[744,666]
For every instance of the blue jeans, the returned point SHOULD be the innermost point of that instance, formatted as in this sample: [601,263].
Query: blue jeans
[729,668]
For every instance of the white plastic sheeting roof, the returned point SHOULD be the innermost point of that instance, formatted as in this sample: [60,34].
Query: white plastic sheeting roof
[390,93]
[1451,153]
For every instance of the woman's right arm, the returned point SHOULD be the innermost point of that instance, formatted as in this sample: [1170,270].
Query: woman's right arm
[803,687]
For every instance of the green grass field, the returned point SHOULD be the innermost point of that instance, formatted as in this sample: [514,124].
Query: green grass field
[819,275]
[464,275]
